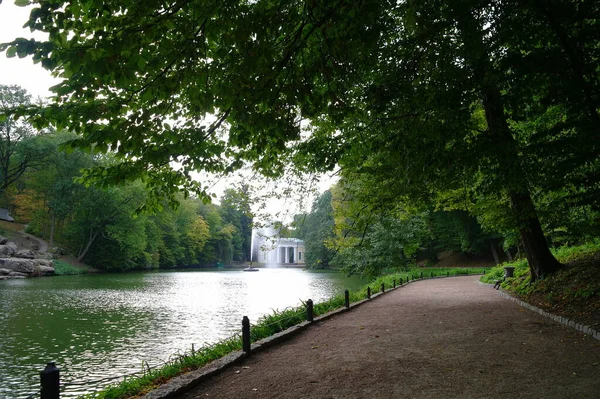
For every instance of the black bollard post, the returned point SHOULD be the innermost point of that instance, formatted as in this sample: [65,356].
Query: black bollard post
[382,287]
[394,283]
[246,334]
[448,274]
[400,280]
[368,292]
[50,381]
[347,299]
[309,310]
[421,275]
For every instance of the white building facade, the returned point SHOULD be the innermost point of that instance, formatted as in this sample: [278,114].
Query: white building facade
[270,249]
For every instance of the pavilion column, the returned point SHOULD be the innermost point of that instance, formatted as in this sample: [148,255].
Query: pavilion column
[287,254]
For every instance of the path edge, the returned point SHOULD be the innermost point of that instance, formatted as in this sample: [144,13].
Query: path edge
[185,382]
[560,319]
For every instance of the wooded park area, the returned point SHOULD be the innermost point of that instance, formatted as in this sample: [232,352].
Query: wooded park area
[489,107]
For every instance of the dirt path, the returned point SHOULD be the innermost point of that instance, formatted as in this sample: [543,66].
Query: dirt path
[442,338]
[41,244]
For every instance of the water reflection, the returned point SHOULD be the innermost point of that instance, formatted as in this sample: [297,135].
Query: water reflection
[99,326]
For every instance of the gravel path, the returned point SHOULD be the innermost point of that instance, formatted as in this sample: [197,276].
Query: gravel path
[441,338]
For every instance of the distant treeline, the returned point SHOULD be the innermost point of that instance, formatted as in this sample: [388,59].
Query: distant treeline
[100,225]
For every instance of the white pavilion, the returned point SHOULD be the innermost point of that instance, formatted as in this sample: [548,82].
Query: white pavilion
[271,249]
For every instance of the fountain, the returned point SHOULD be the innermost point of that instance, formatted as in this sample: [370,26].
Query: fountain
[251,269]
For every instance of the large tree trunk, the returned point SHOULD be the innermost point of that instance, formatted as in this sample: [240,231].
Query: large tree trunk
[510,174]
[540,259]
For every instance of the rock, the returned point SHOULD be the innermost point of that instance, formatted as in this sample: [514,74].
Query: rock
[46,270]
[4,271]
[25,254]
[6,251]
[19,265]
[42,263]
[17,274]
[3,240]
[15,277]
[57,250]
[3,278]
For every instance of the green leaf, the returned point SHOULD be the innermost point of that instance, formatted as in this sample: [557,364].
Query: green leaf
[11,52]
[22,3]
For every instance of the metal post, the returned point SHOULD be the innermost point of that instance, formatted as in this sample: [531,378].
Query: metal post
[400,280]
[246,334]
[309,310]
[382,287]
[421,275]
[50,381]
[394,283]
[368,292]
[347,299]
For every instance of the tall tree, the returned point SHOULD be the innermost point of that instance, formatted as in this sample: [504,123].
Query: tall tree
[235,209]
[415,97]
[20,147]
[316,229]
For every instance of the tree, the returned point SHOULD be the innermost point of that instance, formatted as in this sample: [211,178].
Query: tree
[418,98]
[57,186]
[104,215]
[235,209]
[316,229]
[20,148]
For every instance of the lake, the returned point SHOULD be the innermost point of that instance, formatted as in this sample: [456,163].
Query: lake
[106,325]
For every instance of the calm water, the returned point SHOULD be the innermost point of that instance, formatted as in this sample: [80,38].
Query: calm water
[98,326]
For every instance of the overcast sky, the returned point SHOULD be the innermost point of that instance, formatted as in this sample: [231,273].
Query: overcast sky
[21,71]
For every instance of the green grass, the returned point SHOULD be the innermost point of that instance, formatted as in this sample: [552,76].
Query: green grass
[62,268]
[266,326]
[521,282]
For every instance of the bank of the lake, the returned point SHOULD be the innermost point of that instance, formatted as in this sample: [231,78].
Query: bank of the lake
[267,326]
[101,325]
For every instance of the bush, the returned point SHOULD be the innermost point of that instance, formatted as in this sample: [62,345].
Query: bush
[62,268]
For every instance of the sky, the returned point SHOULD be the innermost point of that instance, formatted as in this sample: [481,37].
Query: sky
[37,81]
[21,71]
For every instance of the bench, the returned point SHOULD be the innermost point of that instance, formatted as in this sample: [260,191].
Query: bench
[498,282]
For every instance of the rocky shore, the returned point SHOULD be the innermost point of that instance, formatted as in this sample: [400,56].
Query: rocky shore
[22,263]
